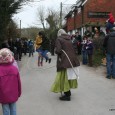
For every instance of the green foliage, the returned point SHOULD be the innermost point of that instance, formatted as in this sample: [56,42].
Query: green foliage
[12,31]
[98,54]
[97,57]
[7,9]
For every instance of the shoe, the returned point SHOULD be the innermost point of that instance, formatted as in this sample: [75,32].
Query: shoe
[49,60]
[65,98]
[41,64]
[46,60]
[108,77]
[38,64]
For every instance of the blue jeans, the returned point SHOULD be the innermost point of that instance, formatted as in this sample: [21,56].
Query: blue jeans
[9,109]
[110,64]
[43,53]
[84,57]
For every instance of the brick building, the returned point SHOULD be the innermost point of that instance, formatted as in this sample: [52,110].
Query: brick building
[89,14]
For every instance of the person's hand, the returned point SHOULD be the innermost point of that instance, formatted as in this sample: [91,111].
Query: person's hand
[86,47]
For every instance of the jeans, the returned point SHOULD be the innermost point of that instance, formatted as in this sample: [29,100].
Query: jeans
[43,53]
[90,60]
[84,57]
[110,64]
[31,49]
[9,109]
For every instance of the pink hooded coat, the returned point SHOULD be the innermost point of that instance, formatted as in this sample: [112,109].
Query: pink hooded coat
[10,85]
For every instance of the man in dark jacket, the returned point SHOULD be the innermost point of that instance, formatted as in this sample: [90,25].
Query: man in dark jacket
[11,44]
[109,45]
[18,46]
[79,40]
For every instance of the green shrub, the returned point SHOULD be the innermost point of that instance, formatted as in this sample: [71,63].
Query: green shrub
[97,57]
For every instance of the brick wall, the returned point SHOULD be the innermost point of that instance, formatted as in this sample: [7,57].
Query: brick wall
[98,6]
[70,24]
[94,6]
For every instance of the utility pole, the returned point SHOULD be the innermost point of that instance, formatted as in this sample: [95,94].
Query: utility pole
[20,28]
[61,15]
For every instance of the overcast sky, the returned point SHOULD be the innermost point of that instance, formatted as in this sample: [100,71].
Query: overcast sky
[28,13]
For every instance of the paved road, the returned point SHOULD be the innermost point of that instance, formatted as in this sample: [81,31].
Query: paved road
[94,96]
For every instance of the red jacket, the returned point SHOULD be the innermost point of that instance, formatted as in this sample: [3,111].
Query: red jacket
[111,18]
[10,85]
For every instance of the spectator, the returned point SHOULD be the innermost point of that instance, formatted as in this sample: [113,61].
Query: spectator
[10,85]
[74,42]
[110,23]
[18,46]
[89,48]
[25,47]
[31,47]
[79,45]
[88,33]
[84,51]
[11,44]
[109,45]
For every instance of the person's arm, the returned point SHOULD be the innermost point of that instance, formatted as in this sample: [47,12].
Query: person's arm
[58,47]
[105,41]
[19,85]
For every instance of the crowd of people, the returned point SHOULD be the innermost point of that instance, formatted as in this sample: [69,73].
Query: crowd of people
[19,46]
[67,49]
[83,46]
[87,46]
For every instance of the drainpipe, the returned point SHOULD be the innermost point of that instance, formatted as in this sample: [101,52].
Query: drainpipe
[75,19]
[82,9]
[82,20]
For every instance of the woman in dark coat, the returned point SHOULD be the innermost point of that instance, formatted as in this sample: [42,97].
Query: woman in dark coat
[66,78]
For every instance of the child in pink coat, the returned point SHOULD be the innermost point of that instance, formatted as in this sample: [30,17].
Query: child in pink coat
[10,84]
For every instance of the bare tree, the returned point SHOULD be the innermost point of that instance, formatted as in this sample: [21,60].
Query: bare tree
[53,19]
[41,16]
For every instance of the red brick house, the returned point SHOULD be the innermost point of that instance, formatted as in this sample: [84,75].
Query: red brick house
[89,13]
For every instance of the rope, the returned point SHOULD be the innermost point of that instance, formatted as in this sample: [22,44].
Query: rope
[71,64]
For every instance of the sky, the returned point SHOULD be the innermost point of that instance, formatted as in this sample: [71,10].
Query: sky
[28,13]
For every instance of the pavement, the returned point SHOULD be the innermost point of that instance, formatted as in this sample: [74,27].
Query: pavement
[95,94]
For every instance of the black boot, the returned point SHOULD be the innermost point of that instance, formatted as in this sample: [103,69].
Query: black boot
[49,60]
[68,93]
[65,98]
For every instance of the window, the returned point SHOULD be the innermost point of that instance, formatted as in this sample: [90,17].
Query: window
[79,10]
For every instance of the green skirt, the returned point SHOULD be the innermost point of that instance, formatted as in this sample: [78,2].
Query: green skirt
[62,84]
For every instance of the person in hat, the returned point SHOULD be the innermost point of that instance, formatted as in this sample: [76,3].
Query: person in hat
[110,22]
[10,84]
[109,45]
[67,62]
